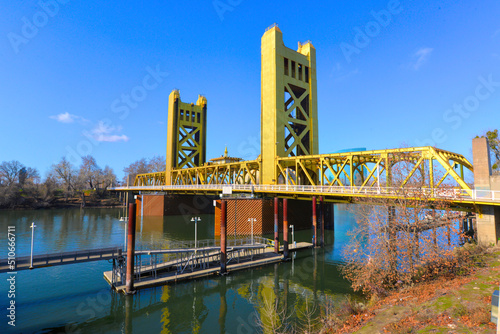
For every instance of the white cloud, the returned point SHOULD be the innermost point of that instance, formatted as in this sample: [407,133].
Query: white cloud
[68,118]
[422,56]
[106,133]
[112,138]
[348,75]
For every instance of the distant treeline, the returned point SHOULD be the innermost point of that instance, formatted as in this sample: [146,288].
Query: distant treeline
[22,186]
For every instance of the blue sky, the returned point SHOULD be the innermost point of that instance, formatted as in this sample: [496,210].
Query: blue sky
[88,77]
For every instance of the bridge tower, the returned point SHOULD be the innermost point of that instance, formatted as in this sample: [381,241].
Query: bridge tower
[186,134]
[289,116]
[488,217]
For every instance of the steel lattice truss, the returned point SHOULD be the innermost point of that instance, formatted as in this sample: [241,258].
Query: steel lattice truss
[352,169]
[297,123]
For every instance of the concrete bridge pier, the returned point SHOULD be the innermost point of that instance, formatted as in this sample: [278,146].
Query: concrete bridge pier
[488,224]
[488,216]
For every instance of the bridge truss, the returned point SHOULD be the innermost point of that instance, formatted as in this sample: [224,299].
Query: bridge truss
[427,167]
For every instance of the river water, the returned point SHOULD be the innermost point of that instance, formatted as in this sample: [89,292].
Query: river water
[76,298]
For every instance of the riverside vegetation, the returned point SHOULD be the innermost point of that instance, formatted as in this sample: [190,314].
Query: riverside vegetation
[64,185]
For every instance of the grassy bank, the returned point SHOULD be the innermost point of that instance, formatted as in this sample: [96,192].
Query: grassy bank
[458,304]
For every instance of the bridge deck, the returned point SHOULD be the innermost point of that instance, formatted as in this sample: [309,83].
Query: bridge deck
[58,259]
[331,193]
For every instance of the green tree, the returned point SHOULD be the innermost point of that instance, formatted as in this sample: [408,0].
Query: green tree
[494,142]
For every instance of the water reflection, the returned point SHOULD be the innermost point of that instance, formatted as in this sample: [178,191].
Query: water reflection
[290,292]
[76,297]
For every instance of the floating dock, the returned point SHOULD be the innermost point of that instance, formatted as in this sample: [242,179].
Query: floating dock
[167,272]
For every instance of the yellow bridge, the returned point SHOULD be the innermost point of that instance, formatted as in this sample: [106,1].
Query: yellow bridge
[338,177]
[290,165]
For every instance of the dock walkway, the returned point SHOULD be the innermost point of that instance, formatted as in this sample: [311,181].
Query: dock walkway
[57,259]
[167,273]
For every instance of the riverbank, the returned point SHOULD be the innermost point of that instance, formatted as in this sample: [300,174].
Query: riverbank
[71,203]
[461,304]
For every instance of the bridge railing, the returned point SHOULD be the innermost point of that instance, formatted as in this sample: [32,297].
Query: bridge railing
[442,192]
[214,243]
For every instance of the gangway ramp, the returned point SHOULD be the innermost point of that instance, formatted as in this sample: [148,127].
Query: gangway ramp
[58,259]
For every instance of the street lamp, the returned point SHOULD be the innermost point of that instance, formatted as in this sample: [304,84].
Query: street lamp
[293,239]
[32,237]
[252,220]
[195,220]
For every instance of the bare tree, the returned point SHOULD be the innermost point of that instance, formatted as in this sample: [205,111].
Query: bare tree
[137,167]
[67,175]
[404,238]
[28,175]
[157,164]
[108,178]
[9,172]
[90,172]
[144,166]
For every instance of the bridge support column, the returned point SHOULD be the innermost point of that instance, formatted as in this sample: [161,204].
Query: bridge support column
[223,237]
[488,216]
[488,225]
[285,229]
[314,222]
[322,220]
[129,288]
[276,226]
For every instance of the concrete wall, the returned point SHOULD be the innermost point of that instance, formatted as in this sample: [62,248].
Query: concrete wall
[488,225]
[482,163]
[172,205]
[299,215]
[495,182]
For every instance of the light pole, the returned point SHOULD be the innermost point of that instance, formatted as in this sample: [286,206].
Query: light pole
[252,220]
[32,237]
[195,220]
[125,240]
[293,239]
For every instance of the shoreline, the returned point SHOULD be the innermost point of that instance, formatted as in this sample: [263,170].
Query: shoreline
[461,304]
[71,204]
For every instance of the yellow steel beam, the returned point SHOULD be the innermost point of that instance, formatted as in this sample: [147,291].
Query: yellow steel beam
[412,171]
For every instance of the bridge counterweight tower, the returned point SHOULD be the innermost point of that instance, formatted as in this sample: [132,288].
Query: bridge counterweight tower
[186,134]
[289,118]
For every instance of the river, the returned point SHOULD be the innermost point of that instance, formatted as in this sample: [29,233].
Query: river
[76,298]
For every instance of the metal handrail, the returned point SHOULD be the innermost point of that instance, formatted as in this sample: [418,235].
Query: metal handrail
[443,192]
